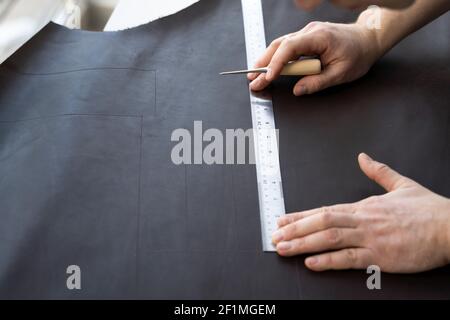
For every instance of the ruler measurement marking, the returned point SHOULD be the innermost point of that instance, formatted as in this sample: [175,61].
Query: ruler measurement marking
[270,190]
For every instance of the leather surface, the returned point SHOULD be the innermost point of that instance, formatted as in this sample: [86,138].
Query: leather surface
[86,176]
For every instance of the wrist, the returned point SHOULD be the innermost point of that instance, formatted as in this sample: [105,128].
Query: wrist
[371,32]
[371,45]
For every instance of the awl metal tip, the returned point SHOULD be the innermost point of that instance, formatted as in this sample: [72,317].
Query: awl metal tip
[259,70]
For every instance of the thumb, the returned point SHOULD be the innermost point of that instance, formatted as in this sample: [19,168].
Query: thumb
[382,174]
[312,84]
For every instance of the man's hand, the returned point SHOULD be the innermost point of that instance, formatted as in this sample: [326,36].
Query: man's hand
[405,230]
[347,52]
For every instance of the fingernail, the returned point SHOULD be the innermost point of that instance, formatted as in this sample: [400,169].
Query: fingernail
[311,261]
[299,91]
[277,236]
[366,157]
[284,246]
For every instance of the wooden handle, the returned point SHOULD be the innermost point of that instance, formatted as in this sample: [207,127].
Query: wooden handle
[302,68]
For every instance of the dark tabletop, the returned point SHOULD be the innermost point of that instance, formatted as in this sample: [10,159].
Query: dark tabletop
[86,176]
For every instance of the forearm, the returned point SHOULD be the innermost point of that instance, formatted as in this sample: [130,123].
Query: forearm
[398,24]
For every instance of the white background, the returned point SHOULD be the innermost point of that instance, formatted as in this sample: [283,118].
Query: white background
[20,20]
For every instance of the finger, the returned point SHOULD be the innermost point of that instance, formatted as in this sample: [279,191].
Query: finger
[330,76]
[313,224]
[259,83]
[264,60]
[382,174]
[252,76]
[352,258]
[307,4]
[292,217]
[330,239]
[291,48]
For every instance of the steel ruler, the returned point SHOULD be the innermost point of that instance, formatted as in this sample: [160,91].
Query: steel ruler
[270,188]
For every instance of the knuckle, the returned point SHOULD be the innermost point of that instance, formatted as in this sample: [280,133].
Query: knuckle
[290,230]
[382,169]
[288,219]
[323,30]
[312,25]
[290,35]
[299,243]
[275,42]
[328,259]
[326,219]
[352,256]
[297,216]
[260,61]
[282,221]
[324,35]
[370,200]
[334,236]
[276,62]
[288,43]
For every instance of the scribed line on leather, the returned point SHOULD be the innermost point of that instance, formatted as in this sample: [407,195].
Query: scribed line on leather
[72,115]
[7,67]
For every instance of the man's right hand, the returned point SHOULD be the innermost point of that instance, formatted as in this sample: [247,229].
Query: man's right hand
[347,52]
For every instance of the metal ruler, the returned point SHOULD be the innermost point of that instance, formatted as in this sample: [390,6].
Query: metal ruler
[270,188]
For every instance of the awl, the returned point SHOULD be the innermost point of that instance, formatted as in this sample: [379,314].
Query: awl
[303,67]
